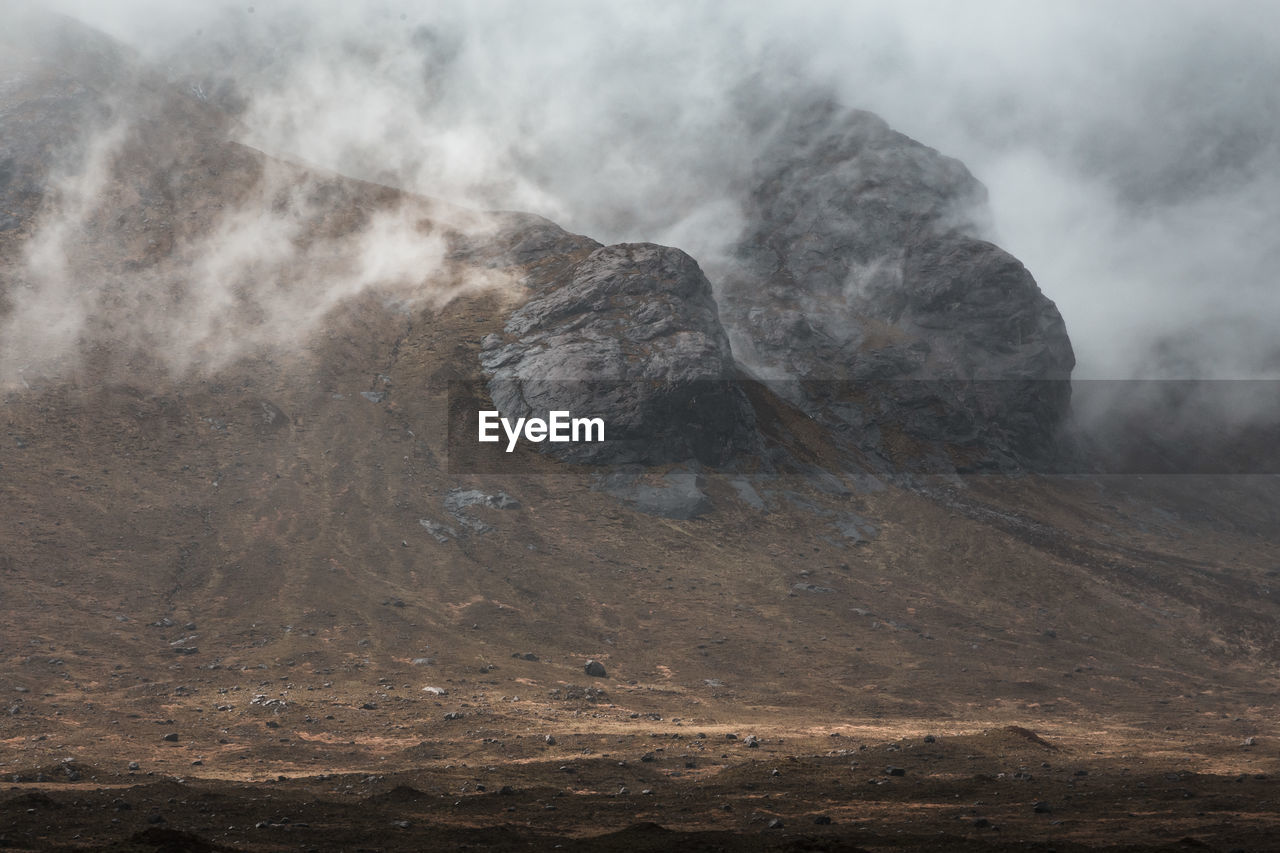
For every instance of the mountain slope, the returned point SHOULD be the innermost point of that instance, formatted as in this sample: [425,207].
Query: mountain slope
[231,512]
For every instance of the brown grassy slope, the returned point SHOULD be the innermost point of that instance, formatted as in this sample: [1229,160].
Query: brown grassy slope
[279,510]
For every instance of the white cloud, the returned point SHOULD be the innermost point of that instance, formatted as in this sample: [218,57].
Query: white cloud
[1129,147]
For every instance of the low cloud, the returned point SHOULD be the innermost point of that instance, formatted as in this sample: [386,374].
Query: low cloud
[1129,149]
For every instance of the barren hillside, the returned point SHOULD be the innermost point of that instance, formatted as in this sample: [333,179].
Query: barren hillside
[250,599]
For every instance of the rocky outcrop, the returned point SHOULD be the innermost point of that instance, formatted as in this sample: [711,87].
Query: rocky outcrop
[632,335]
[862,282]
[863,272]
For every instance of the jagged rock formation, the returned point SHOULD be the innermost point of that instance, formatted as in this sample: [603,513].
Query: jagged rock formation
[862,273]
[861,263]
[638,321]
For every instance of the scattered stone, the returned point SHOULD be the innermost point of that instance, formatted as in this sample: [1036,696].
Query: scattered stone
[459,499]
[678,495]
[1041,808]
[133,765]
[369,706]
[575,692]
[752,742]
[454,715]
[549,740]
[895,771]
[441,532]
[529,656]
[171,737]
[776,823]
[435,691]
[595,669]
[930,739]
[822,820]
[1250,741]
[374,396]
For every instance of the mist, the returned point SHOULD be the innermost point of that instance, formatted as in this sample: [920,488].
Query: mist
[1129,149]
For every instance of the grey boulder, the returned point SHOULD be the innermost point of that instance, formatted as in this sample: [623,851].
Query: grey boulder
[630,334]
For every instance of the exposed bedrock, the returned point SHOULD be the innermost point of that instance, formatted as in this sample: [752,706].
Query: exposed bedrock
[861,283]
[630,334]
[862,262]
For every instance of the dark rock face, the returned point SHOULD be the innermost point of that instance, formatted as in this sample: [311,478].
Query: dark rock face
[862,264]
[630,334]
[862,274]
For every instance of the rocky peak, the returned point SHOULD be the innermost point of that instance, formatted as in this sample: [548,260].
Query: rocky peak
[863,262]
[862,273]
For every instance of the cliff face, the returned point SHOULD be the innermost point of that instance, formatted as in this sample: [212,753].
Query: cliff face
[862,272]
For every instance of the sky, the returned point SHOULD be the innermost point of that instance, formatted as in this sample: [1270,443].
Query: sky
[1129,148]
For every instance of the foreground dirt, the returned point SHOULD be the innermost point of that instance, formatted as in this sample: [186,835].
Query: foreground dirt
[609,782]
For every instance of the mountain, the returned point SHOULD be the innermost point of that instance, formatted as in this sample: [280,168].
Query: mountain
[256,593]
[863,265]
